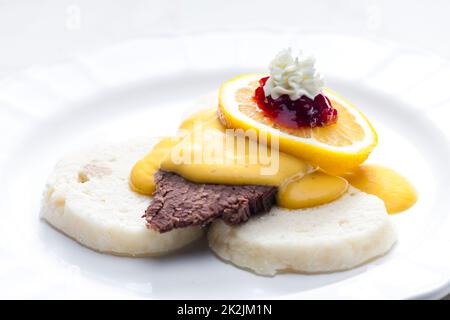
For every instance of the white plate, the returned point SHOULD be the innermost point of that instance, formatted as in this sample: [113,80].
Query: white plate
[143,87]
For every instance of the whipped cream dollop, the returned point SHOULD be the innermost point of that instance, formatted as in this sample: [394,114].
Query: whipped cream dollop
[295,77]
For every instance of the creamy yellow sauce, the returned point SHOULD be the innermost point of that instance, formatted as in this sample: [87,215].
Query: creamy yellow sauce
[207,159]
[313,189]
[395,190]
[141,177]
[200,153]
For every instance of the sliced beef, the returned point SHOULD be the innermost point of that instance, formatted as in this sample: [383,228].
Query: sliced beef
[179,203]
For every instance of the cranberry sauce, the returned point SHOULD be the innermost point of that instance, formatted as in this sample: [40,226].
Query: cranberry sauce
[300,113]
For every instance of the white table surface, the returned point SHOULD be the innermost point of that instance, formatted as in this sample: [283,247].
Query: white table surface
[45,32]
[41,32]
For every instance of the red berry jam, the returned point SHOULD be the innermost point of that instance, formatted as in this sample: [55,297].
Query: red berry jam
[303,112]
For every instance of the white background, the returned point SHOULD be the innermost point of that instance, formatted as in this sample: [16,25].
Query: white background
[34,33]
[40,32]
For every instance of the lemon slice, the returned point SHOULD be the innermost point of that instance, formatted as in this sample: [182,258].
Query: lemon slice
[335,148]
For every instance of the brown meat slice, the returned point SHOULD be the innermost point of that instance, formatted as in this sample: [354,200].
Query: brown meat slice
[179,203]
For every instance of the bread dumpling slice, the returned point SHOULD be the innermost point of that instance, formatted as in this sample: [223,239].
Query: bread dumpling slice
[88,198]
[336,236]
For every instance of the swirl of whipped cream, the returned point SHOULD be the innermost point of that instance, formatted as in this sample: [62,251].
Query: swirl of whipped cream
[294,77]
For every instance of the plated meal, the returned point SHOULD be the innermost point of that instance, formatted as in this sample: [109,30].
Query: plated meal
[273,172]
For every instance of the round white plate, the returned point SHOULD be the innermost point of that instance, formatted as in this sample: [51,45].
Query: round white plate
[142,88]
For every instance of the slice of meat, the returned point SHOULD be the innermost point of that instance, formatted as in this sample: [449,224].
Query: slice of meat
[179,203]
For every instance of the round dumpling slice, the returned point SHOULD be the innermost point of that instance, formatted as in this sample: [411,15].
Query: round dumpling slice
[88,198]
[336,236]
